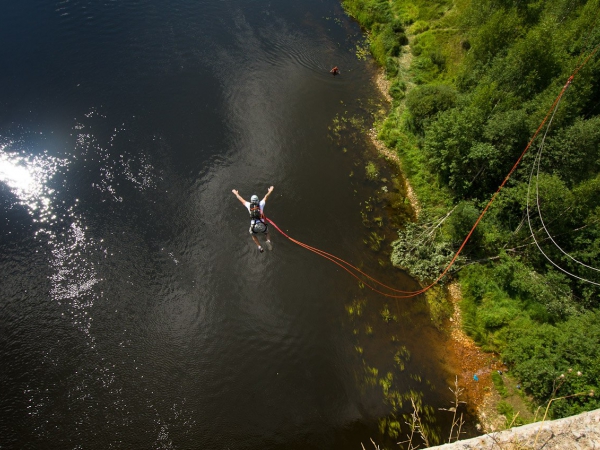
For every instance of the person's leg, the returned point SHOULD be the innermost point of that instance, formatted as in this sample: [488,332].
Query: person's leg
[269,246]
[255,239]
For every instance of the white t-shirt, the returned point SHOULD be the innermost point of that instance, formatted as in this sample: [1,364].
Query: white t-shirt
[261,205]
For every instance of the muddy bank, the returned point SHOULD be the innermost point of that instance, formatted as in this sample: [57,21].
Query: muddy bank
[473,362]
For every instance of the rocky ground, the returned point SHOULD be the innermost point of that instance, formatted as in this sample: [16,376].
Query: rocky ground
[581,432]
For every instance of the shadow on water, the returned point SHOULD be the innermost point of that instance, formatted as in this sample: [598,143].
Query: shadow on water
[136,311]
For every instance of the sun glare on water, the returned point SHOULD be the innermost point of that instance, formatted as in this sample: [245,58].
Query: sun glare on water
[27,178]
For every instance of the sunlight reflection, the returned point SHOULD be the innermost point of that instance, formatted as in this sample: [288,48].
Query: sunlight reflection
[27,178]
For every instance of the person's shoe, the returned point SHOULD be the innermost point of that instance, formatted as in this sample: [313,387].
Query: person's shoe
[260,249]
[269,245]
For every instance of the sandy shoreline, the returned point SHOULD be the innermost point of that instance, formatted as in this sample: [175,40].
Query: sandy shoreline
[384,86]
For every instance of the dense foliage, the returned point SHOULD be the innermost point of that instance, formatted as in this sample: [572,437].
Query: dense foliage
[470,89]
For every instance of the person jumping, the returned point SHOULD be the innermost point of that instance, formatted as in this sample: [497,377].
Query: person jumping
[258,223]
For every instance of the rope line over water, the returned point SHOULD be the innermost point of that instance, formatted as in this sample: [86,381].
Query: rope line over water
[354,271]
[349,268]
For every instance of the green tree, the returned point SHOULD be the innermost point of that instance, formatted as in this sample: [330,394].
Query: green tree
[574,152]
[426,101]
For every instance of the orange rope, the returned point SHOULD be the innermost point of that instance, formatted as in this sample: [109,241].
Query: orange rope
[408,294]
[340,262]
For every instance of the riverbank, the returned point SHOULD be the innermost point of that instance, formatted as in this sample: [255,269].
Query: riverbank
[468,357]
[392,156]
[473,366]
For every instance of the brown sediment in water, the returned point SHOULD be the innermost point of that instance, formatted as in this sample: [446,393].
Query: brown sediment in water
[470,361]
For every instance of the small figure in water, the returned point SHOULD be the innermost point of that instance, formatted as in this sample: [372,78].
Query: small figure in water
[335,71]
[257,217]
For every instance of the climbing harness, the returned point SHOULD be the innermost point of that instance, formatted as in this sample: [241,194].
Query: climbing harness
[258,224]
[255,211]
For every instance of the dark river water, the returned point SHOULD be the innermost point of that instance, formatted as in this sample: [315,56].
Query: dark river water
[135,310]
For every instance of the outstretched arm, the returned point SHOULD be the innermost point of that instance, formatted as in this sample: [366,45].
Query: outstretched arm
[268,193]
[239,197]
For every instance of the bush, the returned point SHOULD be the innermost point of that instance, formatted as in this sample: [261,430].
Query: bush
[391,67]
[385,43]
[424,257]
[460,223]
[493,35]
[369,12]
[539,355]
[424,102]
[574,153]
[449,140]
[419,27]
[398,89]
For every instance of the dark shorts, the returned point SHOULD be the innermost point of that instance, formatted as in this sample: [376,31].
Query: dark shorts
[258,227]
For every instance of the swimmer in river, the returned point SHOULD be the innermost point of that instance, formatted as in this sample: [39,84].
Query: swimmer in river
[335,71]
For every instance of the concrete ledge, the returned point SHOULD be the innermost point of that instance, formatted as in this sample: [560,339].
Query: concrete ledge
[580,432]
